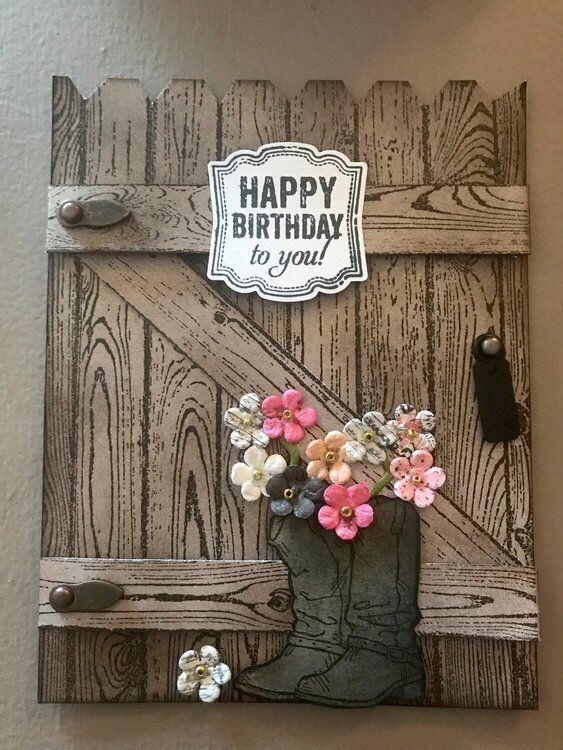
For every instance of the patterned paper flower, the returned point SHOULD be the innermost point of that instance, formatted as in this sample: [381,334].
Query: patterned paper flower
[286,416]
[258,468]
[246,422]
[293,491]
[328,458]
[367,436]
[413,430]
[204,672]
[346,510]
[417,478]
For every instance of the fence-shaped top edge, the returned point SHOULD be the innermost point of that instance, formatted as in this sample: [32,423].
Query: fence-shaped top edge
[340,86]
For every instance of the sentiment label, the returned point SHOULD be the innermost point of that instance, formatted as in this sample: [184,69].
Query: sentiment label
[287,221]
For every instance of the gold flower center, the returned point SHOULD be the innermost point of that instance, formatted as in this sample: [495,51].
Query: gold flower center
[287,414]
[368,437]
[346,512]
[247,421]
[288,493]
[329,457]
[416,478]
[257,475]
[201,671]
[411,433]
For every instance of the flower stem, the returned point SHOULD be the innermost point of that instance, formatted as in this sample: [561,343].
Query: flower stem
[383,482]
[293,452]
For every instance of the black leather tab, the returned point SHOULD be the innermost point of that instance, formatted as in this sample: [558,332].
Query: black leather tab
[495,394]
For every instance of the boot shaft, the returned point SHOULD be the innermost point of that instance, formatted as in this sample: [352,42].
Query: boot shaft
[318,571]
[383,608]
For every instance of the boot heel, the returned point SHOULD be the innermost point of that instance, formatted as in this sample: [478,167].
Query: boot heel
[409,692]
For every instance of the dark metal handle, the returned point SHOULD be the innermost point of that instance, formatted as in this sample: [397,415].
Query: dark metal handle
[90,596]
[94,212]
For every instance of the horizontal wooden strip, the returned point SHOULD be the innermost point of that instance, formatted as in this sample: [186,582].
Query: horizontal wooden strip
[424,219]
[172,594]
[490,602]
[479,601]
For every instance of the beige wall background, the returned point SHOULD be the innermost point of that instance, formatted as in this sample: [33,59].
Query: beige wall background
[497,42]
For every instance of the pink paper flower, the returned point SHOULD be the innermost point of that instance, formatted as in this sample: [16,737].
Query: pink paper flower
[286,416]
[346,510]
[417,478]
[413,429]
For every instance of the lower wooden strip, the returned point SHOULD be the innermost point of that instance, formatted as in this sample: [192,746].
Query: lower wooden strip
[460,672]
[251,595]
[419,219]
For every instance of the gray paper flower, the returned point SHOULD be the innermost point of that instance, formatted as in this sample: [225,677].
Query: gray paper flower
[367,437]
[246,422]
[203,672]
[293,491]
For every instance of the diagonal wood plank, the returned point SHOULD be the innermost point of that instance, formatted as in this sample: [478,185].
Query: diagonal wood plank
[240,356]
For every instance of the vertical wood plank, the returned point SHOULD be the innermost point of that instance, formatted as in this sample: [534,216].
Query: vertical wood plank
[181,471]
[112,357]
[510,130]
[66,144]
[52,666]
[324,115]
[181,400]
[509,113]
[106,144]
[514,331]
[252,113]
[394,356]
[464,142]
[460,145]
[105,666]
[110,425]
[390,125]
[61,393]
[183,137]
[479,672]
[115,129]
[62,341]
[467,300]
[114,136]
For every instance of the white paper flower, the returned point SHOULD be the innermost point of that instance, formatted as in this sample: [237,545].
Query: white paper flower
[245,422]
[203,672]
[253,475]
[367,436]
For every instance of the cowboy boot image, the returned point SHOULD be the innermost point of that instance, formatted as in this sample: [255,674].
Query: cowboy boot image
[318,571]
[382,659]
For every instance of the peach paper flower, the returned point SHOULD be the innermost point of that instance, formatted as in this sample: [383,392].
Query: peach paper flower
[346,510]
[417,478]
[286,416]
[328,458]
